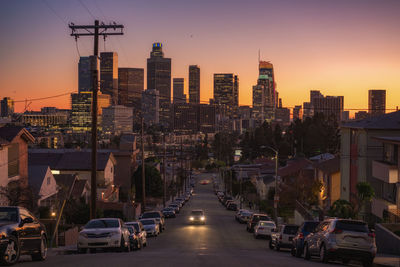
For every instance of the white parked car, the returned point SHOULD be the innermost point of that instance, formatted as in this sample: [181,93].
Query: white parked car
[264,229]
[104,233]
[151,227]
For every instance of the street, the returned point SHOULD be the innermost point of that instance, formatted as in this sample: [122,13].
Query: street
[221,242]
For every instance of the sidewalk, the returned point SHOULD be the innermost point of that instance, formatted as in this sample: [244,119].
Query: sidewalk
[387,260]
[64,250]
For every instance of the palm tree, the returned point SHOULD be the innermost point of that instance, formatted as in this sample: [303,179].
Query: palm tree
[365,194]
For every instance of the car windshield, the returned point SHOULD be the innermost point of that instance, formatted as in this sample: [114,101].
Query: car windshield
[8,214]
[135,225]
[354,226]
[267,224]
[130,229]
[151,215]
[103,223]
[147,222]
[261,218]
[310,226]
[290,229]
[173,205]
[197,212]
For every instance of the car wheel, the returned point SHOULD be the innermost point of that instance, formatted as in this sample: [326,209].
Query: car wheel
[42,250]
[368,263]
[12,251]
[306,252]
[298,252]
[255,236]
[345,261]
[92,250]
[293,251]
[271,245]
[277,247]
[323,254]
[82,250]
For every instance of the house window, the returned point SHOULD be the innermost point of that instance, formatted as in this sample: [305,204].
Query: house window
[13,160]
[390,153]
[389,192]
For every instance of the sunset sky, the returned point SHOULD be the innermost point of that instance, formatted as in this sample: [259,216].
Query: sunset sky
[341,47]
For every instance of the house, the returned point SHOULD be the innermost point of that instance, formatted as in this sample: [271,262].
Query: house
[80,188]
[14,142]
[70,161]
[328,173]
[360,149]
[386,172]
[43,184]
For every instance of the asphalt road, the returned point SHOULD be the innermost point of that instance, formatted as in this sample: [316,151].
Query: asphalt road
[221,242]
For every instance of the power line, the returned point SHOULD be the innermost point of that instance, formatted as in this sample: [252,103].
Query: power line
[87,9]
[55,13]
[43,98]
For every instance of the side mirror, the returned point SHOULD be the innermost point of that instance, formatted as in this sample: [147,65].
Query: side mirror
[27,220]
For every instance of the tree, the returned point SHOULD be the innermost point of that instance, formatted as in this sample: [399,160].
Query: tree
[19,194]
[154,183]
[365,194]
[223,146]
[342,209]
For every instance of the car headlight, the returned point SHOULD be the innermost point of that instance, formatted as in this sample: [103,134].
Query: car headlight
[202,218]
[191,218]
[114,233]
[83,234]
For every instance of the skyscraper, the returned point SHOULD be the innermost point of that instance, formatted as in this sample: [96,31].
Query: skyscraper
[85,77]
[194,84]
[265,97]
[226,92]
[329,106]
[376,102]
[7,107]
[109,75]
[297,112]
[150,106]
[159,78]
[178,86]
[130,88]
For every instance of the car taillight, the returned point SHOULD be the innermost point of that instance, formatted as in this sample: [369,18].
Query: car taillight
[300,235]
[336,231]
[371,235]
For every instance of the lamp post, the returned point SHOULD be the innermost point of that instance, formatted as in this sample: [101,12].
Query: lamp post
[276,195]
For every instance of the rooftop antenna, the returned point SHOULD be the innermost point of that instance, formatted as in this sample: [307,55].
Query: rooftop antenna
[259,57]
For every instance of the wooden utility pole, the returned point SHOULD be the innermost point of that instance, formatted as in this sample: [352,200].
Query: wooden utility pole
[143,171]
[164,173]
[93,30]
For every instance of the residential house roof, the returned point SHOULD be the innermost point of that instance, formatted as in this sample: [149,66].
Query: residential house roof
[294,166]
[388,139]
[64,182]
[79,187]
[36,175]
[60,159]
[329,166]
[9,132]
[388,121]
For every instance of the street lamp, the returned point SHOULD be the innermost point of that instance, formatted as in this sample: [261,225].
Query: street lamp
[276,195]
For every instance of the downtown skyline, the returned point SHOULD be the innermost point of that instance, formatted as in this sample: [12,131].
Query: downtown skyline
[337,47]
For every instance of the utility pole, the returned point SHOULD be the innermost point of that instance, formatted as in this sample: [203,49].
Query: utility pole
[143,171]
[240,188]
[93,30]
[164,173]
[173,171]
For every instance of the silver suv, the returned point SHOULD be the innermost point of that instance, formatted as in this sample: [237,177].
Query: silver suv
[341,239]
[282,236]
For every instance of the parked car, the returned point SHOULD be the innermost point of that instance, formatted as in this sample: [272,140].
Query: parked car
[232,206]
[157,215]
[139,230]
[104,233]
[168,212]
[151,227]
[282,236]
[225,199]
[181,200]
[197,216]
[254,219]
[242,216]
[134,239]
[264,229]
[179,203]
[175,207]
[305,229]
[21,234]
[228,202]
[341,239]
